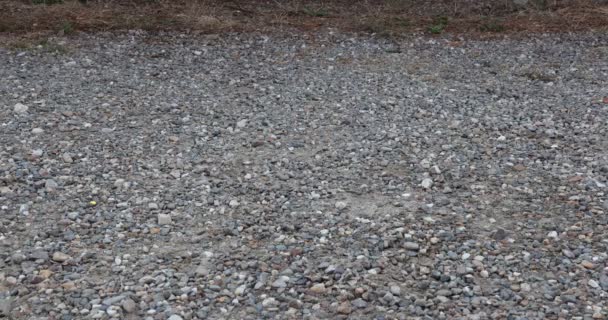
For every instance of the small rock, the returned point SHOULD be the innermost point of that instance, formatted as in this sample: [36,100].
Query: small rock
[239,291]
[37,153]
[50,185]
[593,284]
[45,274]
[241,123]
[128,305]
[176,174]
[60,257]
[341,205]
[396,290]
[552,234]
[164,219]
[20,108]
[39,255]
[344,308]
[318,288]
[113,300]
[604,282]
[269,302]
[37,131]
[175,317]
[500,234]
[519,167]
[568,253]
[426,183]
[6,305]
[413,246]
[67,158]
[281,282]
[484,273]
[359,303]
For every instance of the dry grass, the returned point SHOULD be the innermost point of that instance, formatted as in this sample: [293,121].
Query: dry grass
[387,17]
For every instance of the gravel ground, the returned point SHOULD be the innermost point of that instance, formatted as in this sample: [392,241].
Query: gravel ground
[322,176]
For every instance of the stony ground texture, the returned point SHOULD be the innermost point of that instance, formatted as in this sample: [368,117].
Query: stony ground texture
[323,176]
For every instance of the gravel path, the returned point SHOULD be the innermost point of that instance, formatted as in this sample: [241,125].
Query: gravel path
[324,176]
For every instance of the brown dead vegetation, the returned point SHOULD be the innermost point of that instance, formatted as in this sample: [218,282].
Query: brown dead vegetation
[385,17]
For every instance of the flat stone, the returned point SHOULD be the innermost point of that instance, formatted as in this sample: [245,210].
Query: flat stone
[281,282]
[318,288]
[60,257]
[113,300]
[164,219]
[413,246]
[359,303]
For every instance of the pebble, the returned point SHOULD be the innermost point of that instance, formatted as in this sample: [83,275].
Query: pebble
[128,305]
[20,108]
[318,288]
[60,257]
[164,219]
[241,123]
[341,205]
[593,284]
[37,131]
[396,290]
[67,158]
[240,290]
[359,303]
[281,282]
[413,246]
[175,317]
[344,308]
[426,183]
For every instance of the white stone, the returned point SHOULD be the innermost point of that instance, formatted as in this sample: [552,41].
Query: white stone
[593,284]
[240,290]
[241,124]
[552,234]
[37,130]
[164,219]
[341,205]
[427,183]
[60,257]
[175,317]
[20,108]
